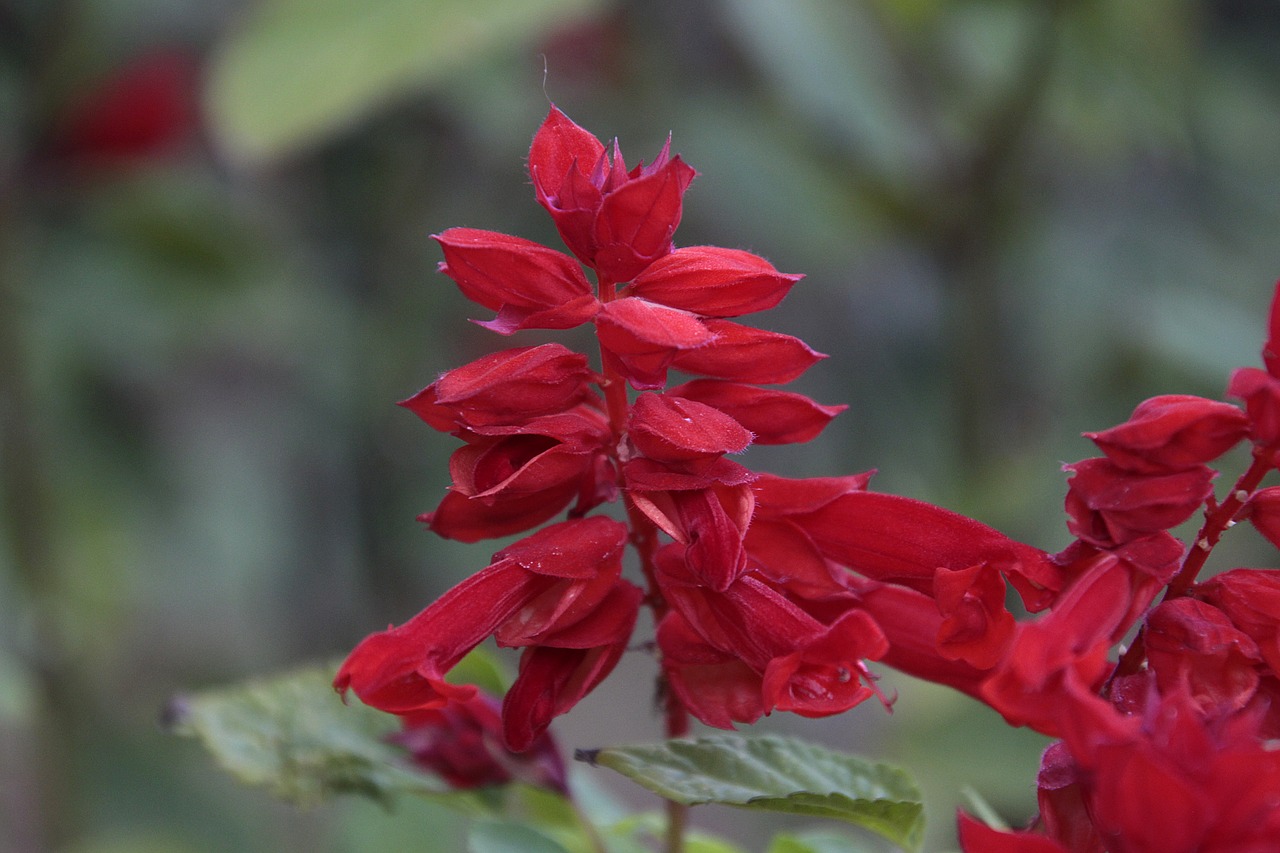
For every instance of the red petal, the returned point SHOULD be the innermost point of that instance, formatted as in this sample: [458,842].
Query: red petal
[979,838]
[713,282]
[745,354]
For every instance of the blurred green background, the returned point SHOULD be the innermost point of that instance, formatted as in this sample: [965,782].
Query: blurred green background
[1017,219]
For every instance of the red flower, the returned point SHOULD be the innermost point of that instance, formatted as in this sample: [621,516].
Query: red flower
[143,109]
[544,589]
[1110,506]
[461,742]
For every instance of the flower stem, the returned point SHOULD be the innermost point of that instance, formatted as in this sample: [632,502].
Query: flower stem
[1215,523]
[644,537]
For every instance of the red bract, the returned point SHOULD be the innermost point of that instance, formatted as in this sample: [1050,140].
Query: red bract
[646,338]
[505,387]
[616,222]
[668,428]
[1171,433]
[713,282]
[529,285]
[1110,506]
[774,417]
[743,354]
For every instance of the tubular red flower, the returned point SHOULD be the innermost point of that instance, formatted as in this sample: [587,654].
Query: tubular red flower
[402,669]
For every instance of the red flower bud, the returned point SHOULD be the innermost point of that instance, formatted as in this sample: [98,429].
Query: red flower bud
[1109,506]
[528,284]
[743,354]
[668,428]
[713,282]
[775,417]
[646,337]
[506,387]
[1173,432]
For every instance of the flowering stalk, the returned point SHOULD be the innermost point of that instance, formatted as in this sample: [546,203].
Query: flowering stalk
[772,594]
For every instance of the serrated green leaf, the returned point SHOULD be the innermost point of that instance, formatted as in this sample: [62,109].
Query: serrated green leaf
[300,69]
[293,735]
[774,773]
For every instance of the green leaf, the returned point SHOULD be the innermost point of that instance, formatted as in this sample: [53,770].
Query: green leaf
[774,773]
[294,735]
[492,836]
[815,842]
[298,70]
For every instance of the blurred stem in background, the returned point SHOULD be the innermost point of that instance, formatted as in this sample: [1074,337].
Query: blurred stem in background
[38,795]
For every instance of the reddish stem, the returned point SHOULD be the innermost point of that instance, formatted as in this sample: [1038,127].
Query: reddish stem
[1215,524]
[644,537]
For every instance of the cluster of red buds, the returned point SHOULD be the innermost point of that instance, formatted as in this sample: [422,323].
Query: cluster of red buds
[770,593]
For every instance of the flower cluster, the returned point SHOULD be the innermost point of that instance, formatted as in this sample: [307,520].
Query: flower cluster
[1184,723]
[769,593]
[739,569]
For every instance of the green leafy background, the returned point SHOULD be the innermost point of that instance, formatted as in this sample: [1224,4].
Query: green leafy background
[1016,219]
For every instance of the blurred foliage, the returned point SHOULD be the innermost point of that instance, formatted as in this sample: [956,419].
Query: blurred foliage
[1017,221]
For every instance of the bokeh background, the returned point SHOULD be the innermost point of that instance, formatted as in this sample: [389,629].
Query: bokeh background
[1017,220]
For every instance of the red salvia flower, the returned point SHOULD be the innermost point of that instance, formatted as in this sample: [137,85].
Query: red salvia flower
[462,742]
[772,594]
